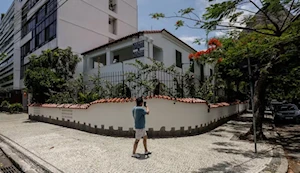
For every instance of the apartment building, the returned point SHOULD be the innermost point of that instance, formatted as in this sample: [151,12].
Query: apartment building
[50,24]
[9,36]
[7,47]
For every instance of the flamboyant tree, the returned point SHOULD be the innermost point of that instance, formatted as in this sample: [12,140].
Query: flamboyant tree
[272,24]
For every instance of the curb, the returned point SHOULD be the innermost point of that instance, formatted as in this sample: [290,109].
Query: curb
[23,159]
[16,160]
[283,167]
[284,164]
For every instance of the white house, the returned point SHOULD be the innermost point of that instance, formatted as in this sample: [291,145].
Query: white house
[159,45]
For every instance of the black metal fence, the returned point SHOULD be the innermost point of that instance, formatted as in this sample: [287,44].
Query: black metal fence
[140,83]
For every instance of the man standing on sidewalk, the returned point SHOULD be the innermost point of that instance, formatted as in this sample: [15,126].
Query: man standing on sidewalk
[139,123]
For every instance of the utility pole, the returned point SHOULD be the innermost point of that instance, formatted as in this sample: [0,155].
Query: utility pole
[252,103]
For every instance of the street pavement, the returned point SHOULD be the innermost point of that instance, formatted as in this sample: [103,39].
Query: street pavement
[289,135]
[6,165]
[74,151]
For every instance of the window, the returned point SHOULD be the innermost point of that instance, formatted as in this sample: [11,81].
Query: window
[52,30]
[51,6]
[25,50]
[112,25]
[192,66]
[42,25]
[116,59]
[202,72]
[211,72]
[288,108]
[32,44]
[41,14]
[112,5]
[178,59]
[41,37]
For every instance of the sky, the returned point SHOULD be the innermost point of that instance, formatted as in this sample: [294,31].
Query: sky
[168,7]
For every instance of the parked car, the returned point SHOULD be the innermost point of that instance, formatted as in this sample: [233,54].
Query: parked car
[287,112]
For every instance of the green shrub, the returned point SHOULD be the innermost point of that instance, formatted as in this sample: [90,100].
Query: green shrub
[16,107]
[5,104]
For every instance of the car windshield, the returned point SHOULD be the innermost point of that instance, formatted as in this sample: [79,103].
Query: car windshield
[288,108]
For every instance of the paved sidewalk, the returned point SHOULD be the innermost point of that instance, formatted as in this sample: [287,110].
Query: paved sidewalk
[289,135]
[73,151]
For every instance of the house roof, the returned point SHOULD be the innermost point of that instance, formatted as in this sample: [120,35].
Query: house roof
[137,34]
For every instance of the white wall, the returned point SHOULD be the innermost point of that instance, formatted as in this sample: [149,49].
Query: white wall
[163,113]
[83,25]
[117,67]
[169,46]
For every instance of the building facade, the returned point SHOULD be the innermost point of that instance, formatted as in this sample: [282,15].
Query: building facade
[37,25]
[116,58]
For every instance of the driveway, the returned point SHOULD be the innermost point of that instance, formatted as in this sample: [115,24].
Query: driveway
[73,151]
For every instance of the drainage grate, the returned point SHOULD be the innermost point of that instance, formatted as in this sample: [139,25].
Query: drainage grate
[10,169]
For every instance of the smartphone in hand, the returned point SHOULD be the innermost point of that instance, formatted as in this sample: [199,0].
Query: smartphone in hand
[145,104]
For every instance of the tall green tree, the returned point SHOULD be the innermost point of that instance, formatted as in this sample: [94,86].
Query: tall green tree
[273,23]
[49,73]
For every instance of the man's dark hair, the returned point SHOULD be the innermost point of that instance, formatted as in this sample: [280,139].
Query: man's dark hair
[139,101]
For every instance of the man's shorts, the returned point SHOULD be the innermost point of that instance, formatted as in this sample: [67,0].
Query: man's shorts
[140,133]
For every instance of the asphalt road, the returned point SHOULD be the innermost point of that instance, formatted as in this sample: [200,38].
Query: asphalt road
[290,140]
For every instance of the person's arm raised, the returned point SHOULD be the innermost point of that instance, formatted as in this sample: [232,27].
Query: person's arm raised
[147,110]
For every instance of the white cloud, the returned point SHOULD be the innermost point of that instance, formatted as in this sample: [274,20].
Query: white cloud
[190,39]
[220,33]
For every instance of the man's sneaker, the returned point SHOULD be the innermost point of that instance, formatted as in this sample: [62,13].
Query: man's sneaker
[148,153]
[135,155]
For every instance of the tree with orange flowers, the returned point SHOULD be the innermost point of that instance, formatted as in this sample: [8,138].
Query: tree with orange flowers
[273,23]
[204,55]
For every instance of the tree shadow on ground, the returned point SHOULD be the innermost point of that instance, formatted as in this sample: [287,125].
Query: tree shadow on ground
[217,135]
[247,153]
[30,121]
[288,136]
[225,167]
[231,127]
[225,144]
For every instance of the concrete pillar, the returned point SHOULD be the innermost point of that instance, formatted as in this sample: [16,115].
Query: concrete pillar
[151,48]
[85,69]
[146,48]
[89,64]
[108,56]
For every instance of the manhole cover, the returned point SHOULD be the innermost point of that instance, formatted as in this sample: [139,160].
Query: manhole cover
[10,169]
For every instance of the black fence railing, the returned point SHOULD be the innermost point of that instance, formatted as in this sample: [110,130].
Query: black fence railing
[147,83]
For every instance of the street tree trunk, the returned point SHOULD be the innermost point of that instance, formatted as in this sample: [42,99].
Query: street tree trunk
[258,108]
